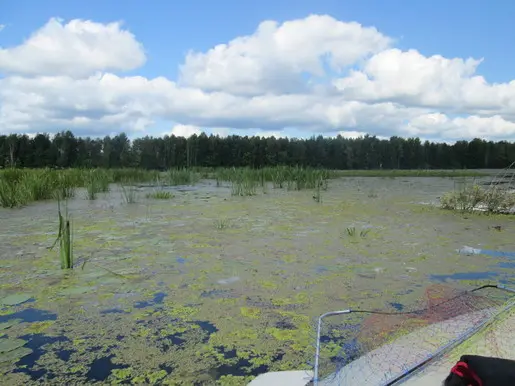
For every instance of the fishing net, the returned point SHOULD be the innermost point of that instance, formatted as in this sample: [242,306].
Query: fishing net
[380,347]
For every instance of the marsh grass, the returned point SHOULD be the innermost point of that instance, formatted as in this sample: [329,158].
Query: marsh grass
[364,232]
[130,174]
[245,181]
[65,187]
[352,232]
[96,181]
[222,223]
[243,188]
[91,185]
[473,197]
[317,196]
[372,194]
[10,195]
[19,187]
[129,193]
[64,238]
[183,177]
[160,195]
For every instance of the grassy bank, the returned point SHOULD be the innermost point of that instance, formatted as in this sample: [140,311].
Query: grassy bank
[19,187]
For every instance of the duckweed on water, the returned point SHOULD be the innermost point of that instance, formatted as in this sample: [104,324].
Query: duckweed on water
[250,312]
[15,299]
[7,345]
[256,287]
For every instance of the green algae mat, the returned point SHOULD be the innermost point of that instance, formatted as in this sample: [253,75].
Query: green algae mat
[163,294]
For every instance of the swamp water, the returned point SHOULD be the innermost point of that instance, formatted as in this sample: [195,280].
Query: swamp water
[206,288]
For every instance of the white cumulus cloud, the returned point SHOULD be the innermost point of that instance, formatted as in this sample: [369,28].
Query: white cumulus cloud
[315,75]
[274,58]
[77,48]
[186,131]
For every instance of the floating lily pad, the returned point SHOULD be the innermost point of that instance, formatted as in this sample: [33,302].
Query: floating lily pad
[15,355]
[9,323]
[15,299]
[7,345]
[76,290]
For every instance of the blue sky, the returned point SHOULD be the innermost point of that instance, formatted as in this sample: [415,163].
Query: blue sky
[168,30]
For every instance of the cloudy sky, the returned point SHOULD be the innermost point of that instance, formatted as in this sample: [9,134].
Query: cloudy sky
[439,70]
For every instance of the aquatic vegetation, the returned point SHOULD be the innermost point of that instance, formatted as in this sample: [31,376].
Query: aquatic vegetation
[183,177]
[372,194]
[160,195]
[233,380]
[122,375]
[222,223]
[182,312]
[75,290]
[64,238]
[7,345]
[317,196]
[128,192]
[250,312]
[10,195]
[15,299]
[9,323]
[243,187]
[281,265]
[92,185]
[352,232]
[11,350]
[471,198]
[39,327]
[18,187]
[65,187]
[266,284]
[281,334]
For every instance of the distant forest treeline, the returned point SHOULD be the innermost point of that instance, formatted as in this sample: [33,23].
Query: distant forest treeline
[66,150]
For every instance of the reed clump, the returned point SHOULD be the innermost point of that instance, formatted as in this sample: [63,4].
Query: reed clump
[64,238]
[476,198]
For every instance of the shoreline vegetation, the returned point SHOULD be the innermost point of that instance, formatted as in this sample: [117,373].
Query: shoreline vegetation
[20,186]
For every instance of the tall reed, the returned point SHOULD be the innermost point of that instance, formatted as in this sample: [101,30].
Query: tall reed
[128,192]
[64,238]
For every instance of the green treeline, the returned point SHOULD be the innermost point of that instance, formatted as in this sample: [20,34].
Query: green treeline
[66,150]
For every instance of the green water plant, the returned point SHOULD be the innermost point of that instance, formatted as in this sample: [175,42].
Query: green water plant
[64,238]
[128,192]
[183,177]
[474,197]
[317,196]
[10,196]
[92,186]
[222,223]
[364,232]
[351,231]
[160,195]
[15,299]
[243,187]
